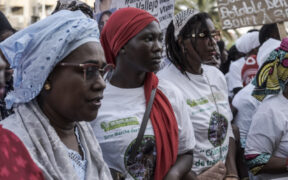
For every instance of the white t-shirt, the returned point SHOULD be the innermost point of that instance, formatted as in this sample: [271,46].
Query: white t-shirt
[269,131]
[212,133]
[246,105]
[117,124]
[234,75]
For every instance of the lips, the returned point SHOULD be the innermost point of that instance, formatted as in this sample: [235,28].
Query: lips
[96,101]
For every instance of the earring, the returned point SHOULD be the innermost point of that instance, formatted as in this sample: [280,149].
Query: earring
[47,86]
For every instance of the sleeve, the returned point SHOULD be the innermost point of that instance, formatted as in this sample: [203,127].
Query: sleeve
[185,127]
[263,137]
[235,76]
[186,130]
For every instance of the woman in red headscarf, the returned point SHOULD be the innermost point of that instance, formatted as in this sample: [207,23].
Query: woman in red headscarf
[132,41]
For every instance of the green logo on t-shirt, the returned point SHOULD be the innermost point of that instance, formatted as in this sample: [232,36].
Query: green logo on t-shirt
[119,123]
[197,102]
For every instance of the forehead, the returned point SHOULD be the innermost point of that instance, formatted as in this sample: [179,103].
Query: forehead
[90,51]
[153,27]
[210,25]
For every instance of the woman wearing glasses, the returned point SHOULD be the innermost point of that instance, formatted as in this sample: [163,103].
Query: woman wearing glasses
[190,44]
[132,41]
[58,65]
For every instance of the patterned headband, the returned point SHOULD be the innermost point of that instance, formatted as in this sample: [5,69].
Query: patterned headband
[272,77]
[181,19]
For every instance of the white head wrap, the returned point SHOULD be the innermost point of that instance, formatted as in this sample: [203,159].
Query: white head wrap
[267,47]
[247,42]
[181,19]
[34,51]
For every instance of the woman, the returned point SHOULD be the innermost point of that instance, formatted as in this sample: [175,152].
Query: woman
[103,19]
[266,145]
[48,105]
[190,44]
[6,30]
[132,42]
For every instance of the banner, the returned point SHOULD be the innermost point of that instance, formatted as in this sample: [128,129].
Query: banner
[242,13]
[163,10]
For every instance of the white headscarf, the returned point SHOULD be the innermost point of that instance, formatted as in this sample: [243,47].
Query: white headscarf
[267,47]
[181,19]
[247,42]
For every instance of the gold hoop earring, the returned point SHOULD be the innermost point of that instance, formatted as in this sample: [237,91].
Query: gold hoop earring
[47,86]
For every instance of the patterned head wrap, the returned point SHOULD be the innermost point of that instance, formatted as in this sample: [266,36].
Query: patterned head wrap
[248,42]
[273,74]
[181,19]
[34,51]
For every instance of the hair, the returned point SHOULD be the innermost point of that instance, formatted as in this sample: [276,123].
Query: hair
[74,6]
[5,25]
[105,13]
[173,49]
[268,31]
[252,30]
[221,45]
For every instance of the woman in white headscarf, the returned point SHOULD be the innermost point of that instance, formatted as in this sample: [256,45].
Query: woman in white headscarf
[58,66]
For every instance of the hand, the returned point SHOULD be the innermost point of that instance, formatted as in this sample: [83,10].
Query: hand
[231,178]
[216,172]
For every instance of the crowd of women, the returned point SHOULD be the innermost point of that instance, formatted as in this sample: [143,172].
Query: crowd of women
[84,105]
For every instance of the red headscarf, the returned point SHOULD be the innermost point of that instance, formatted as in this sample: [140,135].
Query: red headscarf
[122,26]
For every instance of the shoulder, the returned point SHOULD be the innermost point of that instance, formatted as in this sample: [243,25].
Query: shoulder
[244,97]
[168,72]
[169,88]
[214,75]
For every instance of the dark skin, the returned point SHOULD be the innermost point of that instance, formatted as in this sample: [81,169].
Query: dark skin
[203,52]
[140,55]
[73,99]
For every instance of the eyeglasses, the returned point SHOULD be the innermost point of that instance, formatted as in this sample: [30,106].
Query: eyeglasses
[215,34]
[90,70]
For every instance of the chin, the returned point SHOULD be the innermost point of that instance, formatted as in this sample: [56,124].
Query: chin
[90,117]
[154,68]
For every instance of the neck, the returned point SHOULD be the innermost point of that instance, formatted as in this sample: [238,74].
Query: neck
[61,125]
[123,78]
[193,67]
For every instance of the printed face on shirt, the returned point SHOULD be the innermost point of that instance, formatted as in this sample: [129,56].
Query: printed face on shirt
[144,51]
[72,96]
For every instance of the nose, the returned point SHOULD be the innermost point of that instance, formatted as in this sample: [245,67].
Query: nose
[99,84]
[212,41]
[158,45]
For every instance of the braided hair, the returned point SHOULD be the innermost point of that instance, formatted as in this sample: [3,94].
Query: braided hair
[173,50]
[74,6]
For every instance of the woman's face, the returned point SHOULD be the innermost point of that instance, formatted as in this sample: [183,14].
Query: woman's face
[103,21]
[205,47]
[73,95]
[144,51]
